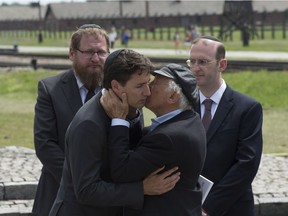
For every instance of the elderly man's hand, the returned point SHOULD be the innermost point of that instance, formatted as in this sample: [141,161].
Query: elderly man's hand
[156,184]
[204,213]
[114,106]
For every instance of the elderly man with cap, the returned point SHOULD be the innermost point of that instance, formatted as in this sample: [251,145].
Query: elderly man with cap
[175,138]
[86,186]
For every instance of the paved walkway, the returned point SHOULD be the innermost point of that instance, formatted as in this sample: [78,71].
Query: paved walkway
[251,55]
[20,170]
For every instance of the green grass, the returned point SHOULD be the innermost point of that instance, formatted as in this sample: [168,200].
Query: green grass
[275,131]
[270,88]
[18,94]
[62,39]
[18,90]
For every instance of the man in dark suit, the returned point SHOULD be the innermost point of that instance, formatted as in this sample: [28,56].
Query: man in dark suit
[59,98]
[234,136]
[175,138]
[86,187]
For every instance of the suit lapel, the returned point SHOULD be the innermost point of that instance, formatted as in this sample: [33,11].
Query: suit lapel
[71,91]
[223,109]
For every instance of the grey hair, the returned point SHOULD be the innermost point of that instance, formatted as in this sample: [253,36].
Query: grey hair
[184,103]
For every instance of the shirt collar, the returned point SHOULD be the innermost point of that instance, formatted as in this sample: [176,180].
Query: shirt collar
[79,83]
[216,97]
[82,87]
[166,117]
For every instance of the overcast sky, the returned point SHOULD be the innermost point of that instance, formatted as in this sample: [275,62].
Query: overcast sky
[42,2]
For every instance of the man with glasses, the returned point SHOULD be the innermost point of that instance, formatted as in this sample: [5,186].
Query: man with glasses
[234,132]
[59,98]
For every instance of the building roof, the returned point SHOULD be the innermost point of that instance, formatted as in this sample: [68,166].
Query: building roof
[133,9]
[84,10]
[129,9]
[270,5]
[23,13]
[165,8]
[137,8]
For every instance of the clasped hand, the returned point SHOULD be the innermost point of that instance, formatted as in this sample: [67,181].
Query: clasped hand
[114,106]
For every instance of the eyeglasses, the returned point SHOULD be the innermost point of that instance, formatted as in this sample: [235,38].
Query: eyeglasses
[90,53]
[199,62]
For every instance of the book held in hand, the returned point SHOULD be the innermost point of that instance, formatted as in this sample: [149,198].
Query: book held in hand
[206,185]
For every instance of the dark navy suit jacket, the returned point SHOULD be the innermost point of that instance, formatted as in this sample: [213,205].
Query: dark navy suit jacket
[234,148]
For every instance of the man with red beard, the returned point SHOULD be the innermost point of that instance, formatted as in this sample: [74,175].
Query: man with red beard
[59,98]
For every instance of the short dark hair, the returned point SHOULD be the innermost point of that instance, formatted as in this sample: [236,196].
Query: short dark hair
[122,64]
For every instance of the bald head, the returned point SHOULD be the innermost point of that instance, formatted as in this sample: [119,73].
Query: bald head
[213,43]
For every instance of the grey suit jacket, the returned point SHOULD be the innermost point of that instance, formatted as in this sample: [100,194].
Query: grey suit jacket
[57,103]
[234,148]
[86,187]
[180,141]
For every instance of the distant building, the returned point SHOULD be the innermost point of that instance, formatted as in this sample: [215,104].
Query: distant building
[132,14]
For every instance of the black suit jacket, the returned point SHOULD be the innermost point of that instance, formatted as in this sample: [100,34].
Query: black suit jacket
[86,187]
[57,103]
[180,141]
[234,148]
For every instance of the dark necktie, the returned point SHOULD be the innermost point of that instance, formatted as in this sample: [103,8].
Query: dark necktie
[89,95]
[207,114]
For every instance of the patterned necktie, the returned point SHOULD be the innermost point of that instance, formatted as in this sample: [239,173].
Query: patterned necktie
[89,95]
[206,120]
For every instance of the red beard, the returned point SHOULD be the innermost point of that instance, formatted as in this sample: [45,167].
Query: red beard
[91,77]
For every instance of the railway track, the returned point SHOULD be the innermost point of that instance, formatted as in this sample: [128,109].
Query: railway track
[62,62]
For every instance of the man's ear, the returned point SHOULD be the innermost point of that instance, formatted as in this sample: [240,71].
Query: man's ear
[222,65]
[116,87]
[173,98]
[71,54]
